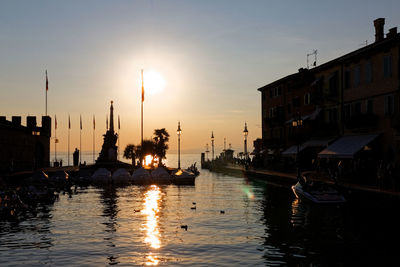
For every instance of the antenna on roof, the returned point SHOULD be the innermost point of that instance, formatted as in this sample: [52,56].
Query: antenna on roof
[314,52]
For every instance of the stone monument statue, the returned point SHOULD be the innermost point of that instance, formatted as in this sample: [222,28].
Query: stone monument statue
[108,152]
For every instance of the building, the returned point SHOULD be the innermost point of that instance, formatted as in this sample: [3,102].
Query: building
[354,95]
[24,147]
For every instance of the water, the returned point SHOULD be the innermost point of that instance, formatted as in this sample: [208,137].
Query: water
[261,225]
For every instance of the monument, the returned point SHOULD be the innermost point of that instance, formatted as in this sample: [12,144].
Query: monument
[108,152]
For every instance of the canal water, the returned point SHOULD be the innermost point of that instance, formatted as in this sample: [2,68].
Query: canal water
[231,221]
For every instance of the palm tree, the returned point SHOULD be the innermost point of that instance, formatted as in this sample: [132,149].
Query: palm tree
[130,153]
[161,138]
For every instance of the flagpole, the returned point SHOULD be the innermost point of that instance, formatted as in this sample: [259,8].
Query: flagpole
[80,141]
[94,129]
[47,88]
[69,129]
[141,154]
[55,138]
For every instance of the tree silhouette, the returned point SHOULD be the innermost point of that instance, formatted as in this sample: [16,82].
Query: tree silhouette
[130,153]
[161,138]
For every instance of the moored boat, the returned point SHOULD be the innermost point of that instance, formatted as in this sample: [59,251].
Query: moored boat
[183,177]
[121,176]
[141,176]
[160,176]
[101,175]
[317,192]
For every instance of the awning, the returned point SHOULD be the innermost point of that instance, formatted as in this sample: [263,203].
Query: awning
[315,142]
[292,151]
[347,146]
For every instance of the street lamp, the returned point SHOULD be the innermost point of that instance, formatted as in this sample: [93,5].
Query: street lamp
[212,144]
[179,132]
[297,122]
[245,134]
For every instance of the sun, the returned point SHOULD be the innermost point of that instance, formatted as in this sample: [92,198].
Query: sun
[154,82]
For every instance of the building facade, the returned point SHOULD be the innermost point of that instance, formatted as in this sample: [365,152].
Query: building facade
[24,147]
[355,94]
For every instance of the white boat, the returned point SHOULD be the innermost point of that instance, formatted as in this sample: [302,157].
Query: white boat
[183,177]
[318,192]
[121,176]
[141,176]
[161,176]
[101,175]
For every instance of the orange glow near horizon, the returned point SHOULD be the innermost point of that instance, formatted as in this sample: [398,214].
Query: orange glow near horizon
[151,209]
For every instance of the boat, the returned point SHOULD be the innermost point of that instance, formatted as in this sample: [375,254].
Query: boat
[183,177]
[141,176]
[121,176]
[317,192]
[193,169]
[160,176]
[101,175]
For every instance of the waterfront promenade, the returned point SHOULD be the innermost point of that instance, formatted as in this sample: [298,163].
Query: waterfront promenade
[286,179]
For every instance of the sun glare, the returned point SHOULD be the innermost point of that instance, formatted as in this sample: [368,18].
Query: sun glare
[154,82]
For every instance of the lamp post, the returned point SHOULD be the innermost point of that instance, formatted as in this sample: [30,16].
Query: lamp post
[297,122]
[179,132]
[245,134]
[212,145]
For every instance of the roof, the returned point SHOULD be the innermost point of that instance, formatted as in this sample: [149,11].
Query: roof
[348,56]
[347,146]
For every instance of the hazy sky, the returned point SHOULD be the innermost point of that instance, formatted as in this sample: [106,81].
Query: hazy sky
[213,56]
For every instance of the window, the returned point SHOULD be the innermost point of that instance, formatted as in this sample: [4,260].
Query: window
[333,84]
[264,113]
[370,106]
[356,76]
[273,112]
[347,79]
[263,95]
[289,87]
[389,105]
[347,112]
[387,66]
[270,93]
[307,99]
[332,116]
[356,108]
[296,102]
[368,72]
[289,108]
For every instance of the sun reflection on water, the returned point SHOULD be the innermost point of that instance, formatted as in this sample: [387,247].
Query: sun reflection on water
[151,209]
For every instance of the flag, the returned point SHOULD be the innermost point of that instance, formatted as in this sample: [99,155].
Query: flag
[94,123]
[119,125]
[80,116]
[69,122]
[106,122]
[55,123]
[142,88]
[47,82]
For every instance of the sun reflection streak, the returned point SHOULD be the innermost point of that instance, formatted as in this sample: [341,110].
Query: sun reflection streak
[151,209]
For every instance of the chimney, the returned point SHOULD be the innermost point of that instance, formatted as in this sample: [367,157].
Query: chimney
[379,24]
[392,33]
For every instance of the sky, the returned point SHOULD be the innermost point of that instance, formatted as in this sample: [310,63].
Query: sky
[212,55]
